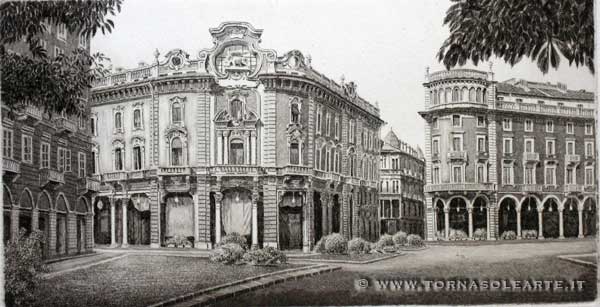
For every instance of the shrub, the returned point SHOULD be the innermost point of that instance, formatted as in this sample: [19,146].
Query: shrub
[480,234]
[335,243]
[359,246]
[508,235]
[529,234]
[266,256]
[457,234]
[320,246]
[385,240]
[236,238]
[415,240]
[23,268]
[441,235]
[400,238]
[227,254]
[178,241]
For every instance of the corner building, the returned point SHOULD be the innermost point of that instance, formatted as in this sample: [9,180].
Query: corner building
[235,139]
[508,156]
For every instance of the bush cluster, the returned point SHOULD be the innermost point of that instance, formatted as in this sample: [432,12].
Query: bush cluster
[384,240]
[178,241]
[508,235]
[320,246]
[457,234]
[400,238]
[359,246]
[265,256]
[227,253]
[415,240]
[236,238]
[335,243]
[480,234]
[529,234]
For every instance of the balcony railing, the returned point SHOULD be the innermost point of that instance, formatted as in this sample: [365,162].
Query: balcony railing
[574,188]
[142,174]
[457,74]
[64,124]
[11,166]
[92,184]
[323,175]
[237,170]
[531,156]
[132,75]
[353,181]
[173,170]
[31,111]
[532,188]
[51,176]
[115,176]
[544,109]
[572,159]
[457,155]
[336,177]
[440,187]
[295,170]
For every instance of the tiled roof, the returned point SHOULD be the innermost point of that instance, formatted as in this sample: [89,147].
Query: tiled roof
[505,88]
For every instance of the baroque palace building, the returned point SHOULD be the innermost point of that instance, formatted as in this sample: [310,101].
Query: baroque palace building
[508,156]
[401,198]
[46,170]
[235,139]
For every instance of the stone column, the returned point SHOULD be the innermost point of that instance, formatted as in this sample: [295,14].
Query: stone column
[35,219]
[580,213]
[253,149]
[196,226]
[89,231]
[324,219]
[226,148]
[519,224]
[447,222]
[14,223]
[254,223]
[52,233]
[247,147]
[220,148]
[330,216]
[561,228]
[113,226]
[470,213]
[488,223]
[218,199]
[124,208]
[434,222]
[540,224]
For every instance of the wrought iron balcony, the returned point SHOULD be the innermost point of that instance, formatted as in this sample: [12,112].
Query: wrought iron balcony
[457,155]
[114,176]
[51,176]
[442,187]
[572,159]
[65,125]
[531,156]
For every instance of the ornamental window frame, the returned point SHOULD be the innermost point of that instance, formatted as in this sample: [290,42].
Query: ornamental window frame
[549,126]
[118,119]
[8,145]
[138,107]
[589,148]
[570,127]
[589,129]
[138,142]
[552,169]
[589,175]
[45,153]
[507,124]
[528,122]
[27,148]
[118,148]
[81,164]
[177,100]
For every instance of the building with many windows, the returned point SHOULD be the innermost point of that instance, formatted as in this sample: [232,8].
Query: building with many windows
[401,198]
[45,159]
[508,156]
[233,139]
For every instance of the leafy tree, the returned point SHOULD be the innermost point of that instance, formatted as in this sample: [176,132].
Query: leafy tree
[55,84]
[541,30]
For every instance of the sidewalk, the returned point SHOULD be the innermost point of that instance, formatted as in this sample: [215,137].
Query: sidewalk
[58,268]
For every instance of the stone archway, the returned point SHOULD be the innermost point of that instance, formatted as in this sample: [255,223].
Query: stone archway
[336,215]
[459,219]
[507,216]
[440,223]
[61,225]
[550,220]
[102,220]
[43,205]
[291,221]
[529,215]
[571,218]
[589,217]
[317,216]
[480,213]
[138,220]
[81,210]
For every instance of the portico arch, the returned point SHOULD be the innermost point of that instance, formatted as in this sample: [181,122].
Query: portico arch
[571,217]
[457,209]
[590,212]
[550,217]
[507,214]
[528,211]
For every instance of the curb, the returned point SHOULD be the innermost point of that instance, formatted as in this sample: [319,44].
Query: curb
[55,260]
[85,266]
[218,292]
[348,261]
[577,261]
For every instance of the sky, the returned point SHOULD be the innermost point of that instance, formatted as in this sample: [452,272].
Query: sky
[382,45]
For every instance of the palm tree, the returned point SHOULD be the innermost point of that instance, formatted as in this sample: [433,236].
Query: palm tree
[542,30]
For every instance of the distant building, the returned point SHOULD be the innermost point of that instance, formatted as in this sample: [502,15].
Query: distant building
[401,198]
[46,165]
[233,139]
[508,156]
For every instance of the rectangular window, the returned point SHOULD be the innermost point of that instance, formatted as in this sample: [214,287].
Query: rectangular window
[93,126]
[81,163]
[570,148]
[456,143]
[337,128]
[481,143]
[589,176]
[480,173]
[328,124]
[507,146]
[456,121]
[529,175]
[570,176]
[436,175]
[7,144]
[589,149]
[480,121]
[26,149]
[319,119]
[436,147]
[507,124]
[94,162]
[528,125]
[550,175]
[529,146]
[137,158]
[570,128]
[294,154]
[589,129]
[507,174]
[456,174]
[61,156]
[45,155]
[550,148]
[67,160]
[549,126]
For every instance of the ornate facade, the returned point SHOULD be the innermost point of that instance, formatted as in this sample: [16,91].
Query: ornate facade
[46,174]
[401,198]
[506,156]
[235,139]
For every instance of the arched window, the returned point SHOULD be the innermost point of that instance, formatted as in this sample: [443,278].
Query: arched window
[441,96]
[337,161]
[137,157]
[118,120]
[236,152]
[464,95]
[435,97]
[137,119]
[318,158]
[455,95]
[483,96]
[472,95]
[294,153]
[176,113]
[323,158]
[328,160]
[447,95]
[176,152]
[118,159]
[478,98]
